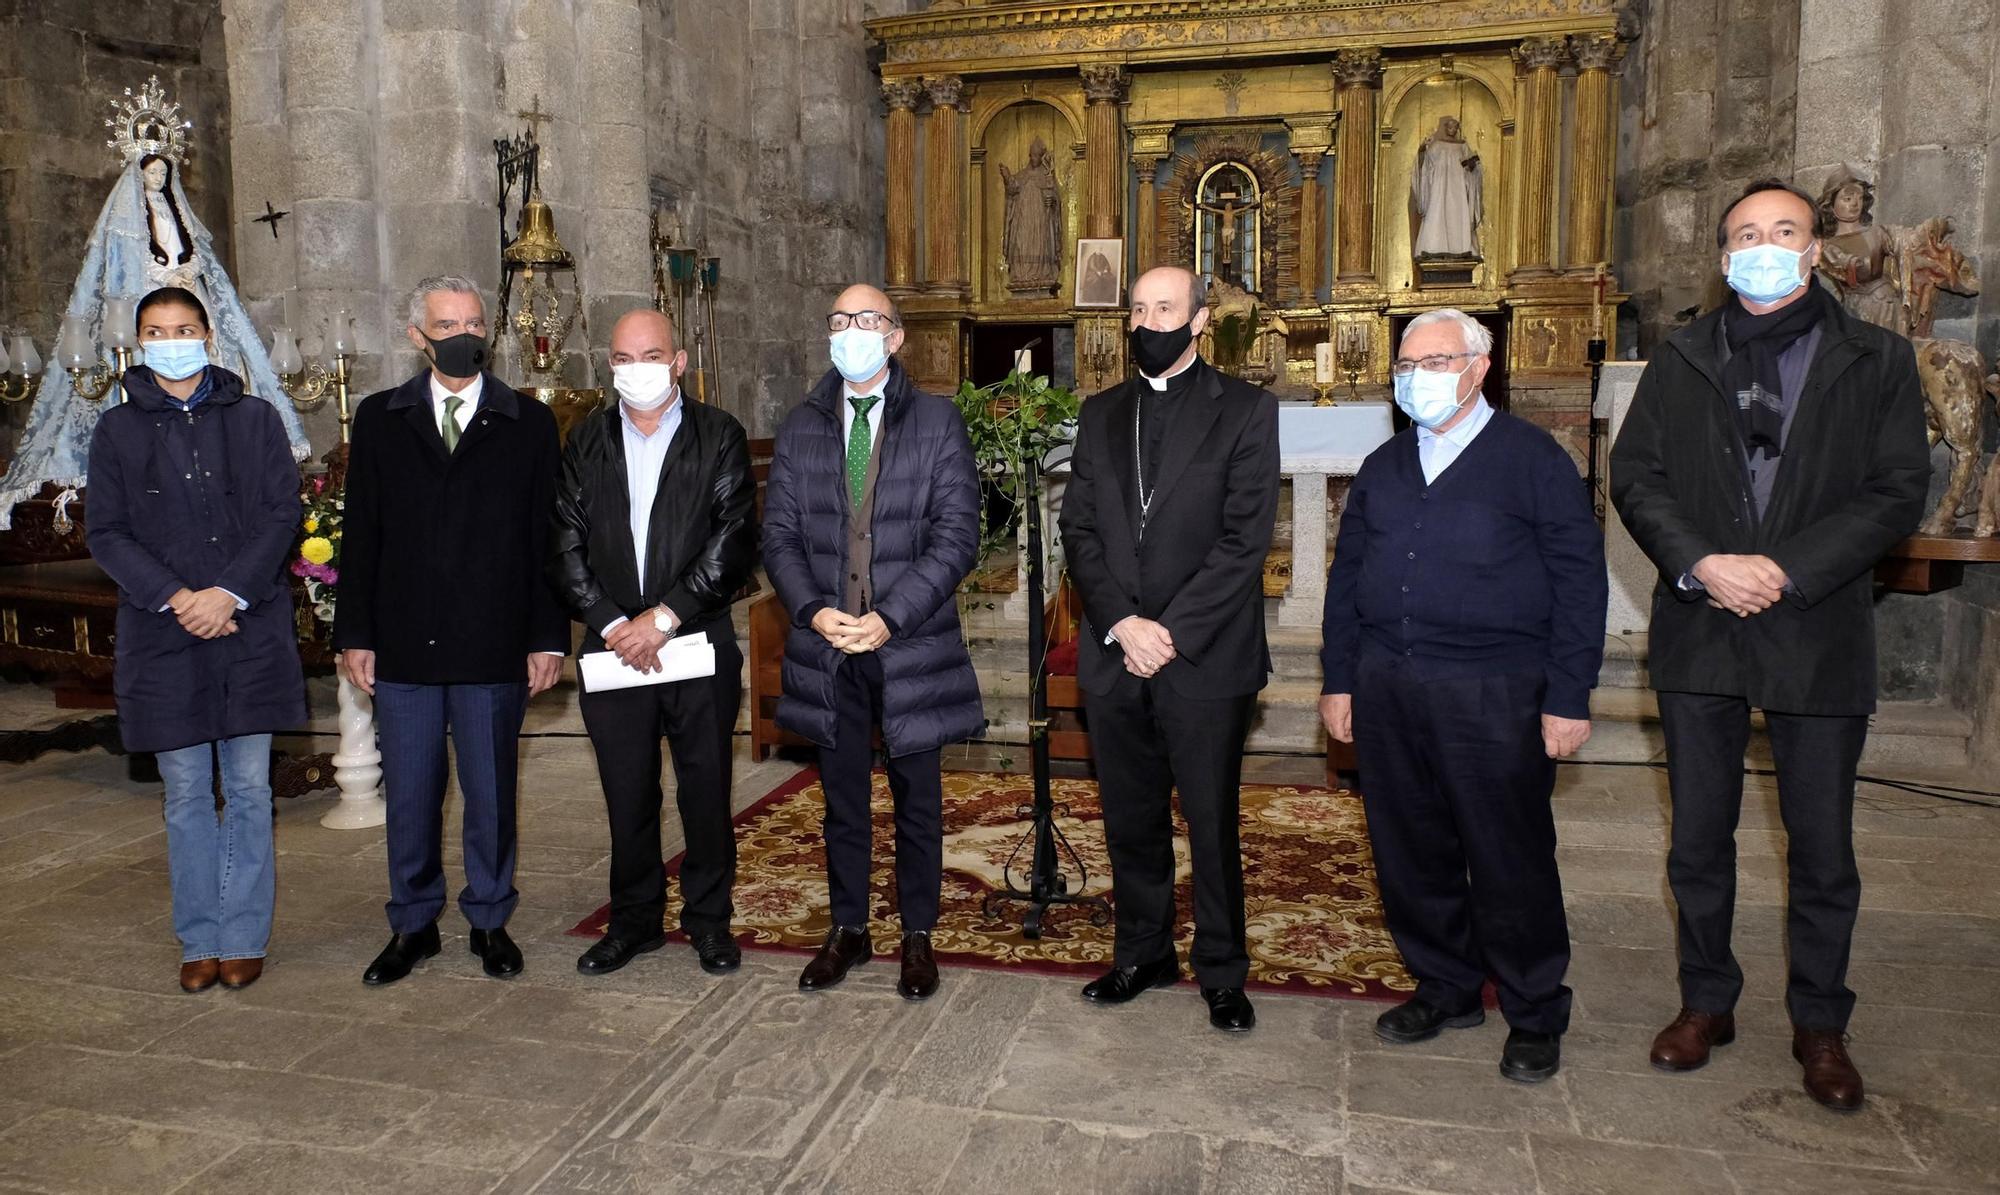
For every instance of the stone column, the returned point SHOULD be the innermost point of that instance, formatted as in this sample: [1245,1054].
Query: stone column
[944,188]
[1358,74]
[1590,152]
[1536,60]
[1104,149]
[899,196]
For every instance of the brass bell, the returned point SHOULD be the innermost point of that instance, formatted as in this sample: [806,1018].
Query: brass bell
[537,244]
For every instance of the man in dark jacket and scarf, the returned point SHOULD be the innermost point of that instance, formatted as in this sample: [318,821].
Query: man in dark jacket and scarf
[654,536]
[446,617]
[871,520]
[1774,452]
[194,505]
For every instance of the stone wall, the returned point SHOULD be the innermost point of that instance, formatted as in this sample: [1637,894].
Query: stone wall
[1708,105]
[60,66]
[375,123]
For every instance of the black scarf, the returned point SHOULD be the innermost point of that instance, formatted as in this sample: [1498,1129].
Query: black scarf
[1750,376]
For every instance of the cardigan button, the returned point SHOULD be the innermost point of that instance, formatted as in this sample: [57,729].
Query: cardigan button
[1420,524]
[1413,555]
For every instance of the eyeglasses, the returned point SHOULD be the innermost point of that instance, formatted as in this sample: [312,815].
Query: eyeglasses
[867,321]
[1403,367]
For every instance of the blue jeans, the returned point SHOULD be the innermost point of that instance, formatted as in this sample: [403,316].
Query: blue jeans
[220,869]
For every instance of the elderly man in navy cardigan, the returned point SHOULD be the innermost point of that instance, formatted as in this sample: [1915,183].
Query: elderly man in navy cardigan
[1464,630]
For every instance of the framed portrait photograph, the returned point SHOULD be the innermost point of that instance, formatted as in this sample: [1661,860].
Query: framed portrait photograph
[1100,272]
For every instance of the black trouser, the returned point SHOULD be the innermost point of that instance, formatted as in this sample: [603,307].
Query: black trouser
[1456,784]
[1816,759]
[698,717]
[1148,743]
[916,781]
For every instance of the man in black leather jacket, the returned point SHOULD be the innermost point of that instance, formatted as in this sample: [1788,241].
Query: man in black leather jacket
[656,481]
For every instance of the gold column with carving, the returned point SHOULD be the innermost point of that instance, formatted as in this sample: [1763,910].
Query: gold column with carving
[1536,60]
[1103,150]
[1358,73]
[1151,145]
[899,200]
[1597,54]
[1311,140]
[944,188]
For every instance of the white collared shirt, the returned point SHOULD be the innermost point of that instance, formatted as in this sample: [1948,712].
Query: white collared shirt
[464,414]
[1437,450]
[848,391]
[645,461]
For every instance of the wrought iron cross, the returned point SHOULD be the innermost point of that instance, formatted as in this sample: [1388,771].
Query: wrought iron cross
[271,216]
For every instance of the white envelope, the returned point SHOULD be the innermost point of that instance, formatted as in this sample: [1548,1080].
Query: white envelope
[683,658]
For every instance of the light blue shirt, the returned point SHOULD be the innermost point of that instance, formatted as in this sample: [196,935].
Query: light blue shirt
[1437,450]
[645,460]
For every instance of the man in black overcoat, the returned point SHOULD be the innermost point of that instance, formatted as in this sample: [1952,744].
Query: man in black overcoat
[1774,452]
[445,616]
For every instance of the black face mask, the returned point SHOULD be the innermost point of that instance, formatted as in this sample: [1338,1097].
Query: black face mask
[1155,352]
[460,356]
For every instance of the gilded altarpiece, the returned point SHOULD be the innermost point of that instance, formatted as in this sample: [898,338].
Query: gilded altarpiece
[1276,144]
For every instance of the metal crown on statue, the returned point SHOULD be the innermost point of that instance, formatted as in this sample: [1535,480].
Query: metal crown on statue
[148,123]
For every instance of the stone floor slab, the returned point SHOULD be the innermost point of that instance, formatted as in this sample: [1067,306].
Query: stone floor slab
[1567,1165]
[1405,1154]
[68,1150]
[305,1170]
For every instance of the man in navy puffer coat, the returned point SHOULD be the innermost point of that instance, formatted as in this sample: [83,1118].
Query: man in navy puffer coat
[871,520]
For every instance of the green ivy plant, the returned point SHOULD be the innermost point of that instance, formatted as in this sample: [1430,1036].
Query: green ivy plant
[1011,422]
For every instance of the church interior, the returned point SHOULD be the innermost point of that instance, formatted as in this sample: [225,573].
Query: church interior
[1004,170]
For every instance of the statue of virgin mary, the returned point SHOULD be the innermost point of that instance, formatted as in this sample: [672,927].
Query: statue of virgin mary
[146,237]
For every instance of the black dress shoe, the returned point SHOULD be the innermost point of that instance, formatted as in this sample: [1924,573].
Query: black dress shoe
[497,952]
[1229,1009]
[1530,1057]
[919,980]
[1121,984]
[844,949]
[611,952]
[403,952]
[717,951]
[1413,1021]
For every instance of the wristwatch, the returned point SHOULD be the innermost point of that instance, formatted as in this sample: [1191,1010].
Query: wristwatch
[663,622]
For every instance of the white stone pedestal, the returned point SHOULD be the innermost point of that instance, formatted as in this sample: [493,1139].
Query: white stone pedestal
[1631,573]
[357,766]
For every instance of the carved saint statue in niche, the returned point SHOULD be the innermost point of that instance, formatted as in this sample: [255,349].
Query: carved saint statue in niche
[1446,188]
[1031,239]
[1856,255]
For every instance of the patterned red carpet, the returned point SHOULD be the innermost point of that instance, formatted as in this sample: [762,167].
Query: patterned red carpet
[1314,916]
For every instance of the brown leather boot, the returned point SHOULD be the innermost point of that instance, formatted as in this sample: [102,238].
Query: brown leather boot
[238,973]
[200,975]
[1684,1045]
[1830,1075]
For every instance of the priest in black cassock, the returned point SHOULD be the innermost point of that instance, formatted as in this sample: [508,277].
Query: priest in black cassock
[1166,520]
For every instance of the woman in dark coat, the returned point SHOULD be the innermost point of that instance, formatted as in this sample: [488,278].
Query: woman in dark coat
[194,507]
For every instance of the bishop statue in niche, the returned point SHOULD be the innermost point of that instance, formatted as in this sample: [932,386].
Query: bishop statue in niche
[1446,188]
[1031,241]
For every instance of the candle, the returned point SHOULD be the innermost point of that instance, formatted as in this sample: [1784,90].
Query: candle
[1323,361]
[1024,361]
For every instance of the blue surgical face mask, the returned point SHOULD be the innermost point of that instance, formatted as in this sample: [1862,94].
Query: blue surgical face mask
[1429,399]
[1765,273]
[176,360]
[858,353]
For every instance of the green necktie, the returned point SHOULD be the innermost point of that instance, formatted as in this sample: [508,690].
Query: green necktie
[859,444]
[450,429]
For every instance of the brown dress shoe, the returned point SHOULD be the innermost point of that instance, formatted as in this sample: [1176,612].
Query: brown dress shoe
[238,973]
[1830,1075]
[199,976]
[1684,1045]
[919,980]
[844,949]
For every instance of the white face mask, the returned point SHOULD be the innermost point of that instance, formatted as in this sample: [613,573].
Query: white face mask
[644,385]
[858,354]
[1429,399]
